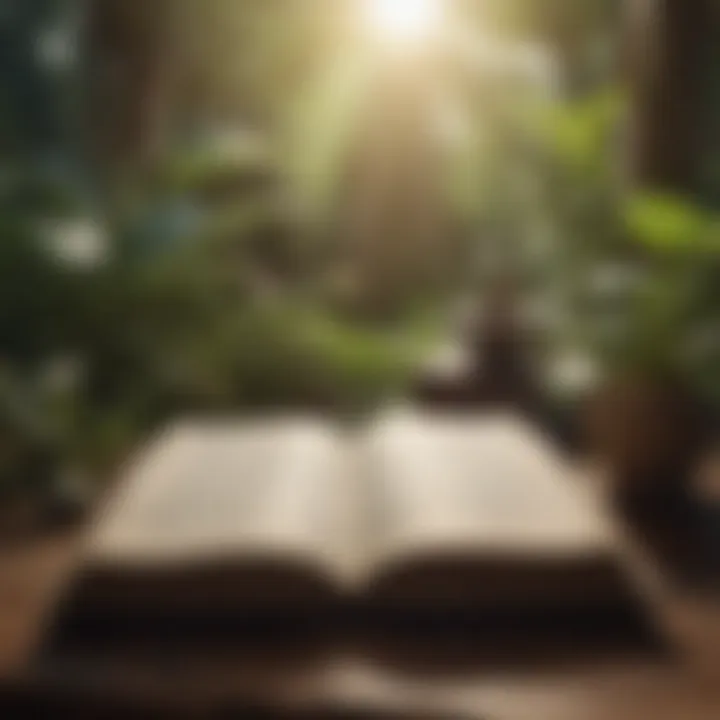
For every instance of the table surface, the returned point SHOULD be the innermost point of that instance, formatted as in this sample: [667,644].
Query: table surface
[686,686]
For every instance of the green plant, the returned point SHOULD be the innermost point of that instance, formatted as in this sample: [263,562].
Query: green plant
[674,313]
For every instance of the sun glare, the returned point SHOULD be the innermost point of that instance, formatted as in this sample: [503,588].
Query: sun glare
[404,21]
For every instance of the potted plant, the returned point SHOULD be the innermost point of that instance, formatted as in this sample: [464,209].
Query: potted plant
[658,350]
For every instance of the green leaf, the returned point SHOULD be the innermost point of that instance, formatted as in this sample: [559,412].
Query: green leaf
[664,222]
[579,131]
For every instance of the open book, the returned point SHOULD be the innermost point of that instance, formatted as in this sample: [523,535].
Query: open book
[412,511]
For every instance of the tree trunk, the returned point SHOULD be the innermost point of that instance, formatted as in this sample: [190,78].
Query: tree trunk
[670,40]
[395,214]
[126,53]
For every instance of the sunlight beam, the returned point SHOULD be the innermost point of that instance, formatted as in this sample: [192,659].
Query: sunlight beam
[404,22]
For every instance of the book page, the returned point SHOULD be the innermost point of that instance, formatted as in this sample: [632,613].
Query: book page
[228,491]
[485,485]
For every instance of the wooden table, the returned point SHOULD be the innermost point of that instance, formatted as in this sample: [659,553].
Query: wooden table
[683,687]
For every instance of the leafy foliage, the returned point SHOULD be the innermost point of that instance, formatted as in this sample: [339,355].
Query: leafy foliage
[665,223]
[215,288]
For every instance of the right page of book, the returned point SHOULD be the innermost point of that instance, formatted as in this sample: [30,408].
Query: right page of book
[474,508]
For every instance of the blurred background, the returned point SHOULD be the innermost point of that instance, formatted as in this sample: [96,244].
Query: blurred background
[235,205]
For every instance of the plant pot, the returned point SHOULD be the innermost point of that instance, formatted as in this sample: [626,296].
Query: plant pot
[645,431]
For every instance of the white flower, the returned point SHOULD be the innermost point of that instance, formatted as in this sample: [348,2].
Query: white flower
[573,372]
[62,374]
[56,48]
[80,243]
